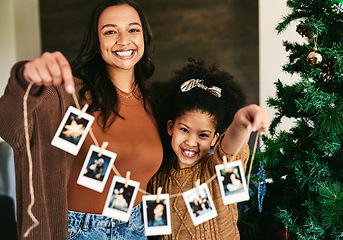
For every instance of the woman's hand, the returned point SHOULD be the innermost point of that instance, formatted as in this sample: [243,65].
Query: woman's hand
[50,69]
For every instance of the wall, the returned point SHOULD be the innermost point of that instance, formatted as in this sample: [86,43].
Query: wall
[272,54]
[7,43]
[20,38]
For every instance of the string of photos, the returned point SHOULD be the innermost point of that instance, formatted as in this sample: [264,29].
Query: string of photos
[71,133]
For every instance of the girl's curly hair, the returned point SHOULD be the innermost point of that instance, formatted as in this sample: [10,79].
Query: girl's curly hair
[176,103]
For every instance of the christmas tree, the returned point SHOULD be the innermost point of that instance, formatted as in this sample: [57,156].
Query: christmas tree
[303,165]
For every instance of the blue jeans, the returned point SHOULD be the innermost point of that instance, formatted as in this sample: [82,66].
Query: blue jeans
[84,226]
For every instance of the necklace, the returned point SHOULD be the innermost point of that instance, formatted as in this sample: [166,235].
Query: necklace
[132,93]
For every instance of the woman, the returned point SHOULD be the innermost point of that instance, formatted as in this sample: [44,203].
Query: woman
[110,72]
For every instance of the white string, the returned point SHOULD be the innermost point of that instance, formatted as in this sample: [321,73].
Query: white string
[252,158]
[90,130]
[29,157]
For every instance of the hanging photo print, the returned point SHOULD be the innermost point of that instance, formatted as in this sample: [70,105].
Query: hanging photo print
[120,199]
[73,130]
[156,214]
[96,169]
[199,204]
[232,182]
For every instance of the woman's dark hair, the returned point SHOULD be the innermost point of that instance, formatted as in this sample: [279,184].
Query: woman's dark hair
[150,211]
[177,103]
[227,177]
[91,68]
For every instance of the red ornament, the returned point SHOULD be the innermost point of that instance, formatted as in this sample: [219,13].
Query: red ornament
[302,143]
[282,234]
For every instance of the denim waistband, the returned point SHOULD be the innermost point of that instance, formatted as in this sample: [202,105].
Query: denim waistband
[96,220]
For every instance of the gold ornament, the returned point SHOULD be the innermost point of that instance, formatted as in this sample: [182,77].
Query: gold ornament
[314,59]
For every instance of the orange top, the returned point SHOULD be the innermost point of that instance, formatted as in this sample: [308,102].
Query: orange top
[136,142]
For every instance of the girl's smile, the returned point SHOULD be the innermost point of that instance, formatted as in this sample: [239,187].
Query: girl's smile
[192,134]
[188,153]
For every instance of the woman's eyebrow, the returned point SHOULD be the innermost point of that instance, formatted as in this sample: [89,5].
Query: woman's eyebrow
[108,25]
[114,25]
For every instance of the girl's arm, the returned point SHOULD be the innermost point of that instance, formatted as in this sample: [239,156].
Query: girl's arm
[248,119]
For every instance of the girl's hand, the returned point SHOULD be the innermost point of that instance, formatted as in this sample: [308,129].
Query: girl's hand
[253,118]
[247,119]
[50,69]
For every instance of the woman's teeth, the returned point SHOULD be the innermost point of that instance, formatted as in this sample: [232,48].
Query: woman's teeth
[124,53]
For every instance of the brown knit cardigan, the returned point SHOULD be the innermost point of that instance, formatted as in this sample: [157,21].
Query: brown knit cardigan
[51,166]
[173,181]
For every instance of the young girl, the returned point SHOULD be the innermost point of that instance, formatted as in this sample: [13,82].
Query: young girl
[198,114]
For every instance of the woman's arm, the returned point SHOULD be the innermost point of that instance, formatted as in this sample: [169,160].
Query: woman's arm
[11,103]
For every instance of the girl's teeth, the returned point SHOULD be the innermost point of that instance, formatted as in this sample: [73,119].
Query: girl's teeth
[189,152]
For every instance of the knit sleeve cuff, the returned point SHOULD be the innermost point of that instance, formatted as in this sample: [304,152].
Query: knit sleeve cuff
[19,82]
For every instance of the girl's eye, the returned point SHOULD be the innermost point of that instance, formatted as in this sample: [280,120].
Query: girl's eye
[184,130]
[203,135]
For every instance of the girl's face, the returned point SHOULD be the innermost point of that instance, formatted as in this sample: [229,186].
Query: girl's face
[121,37]
[192,134]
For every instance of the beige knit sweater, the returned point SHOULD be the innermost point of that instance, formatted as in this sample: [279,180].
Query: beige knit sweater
[173,181]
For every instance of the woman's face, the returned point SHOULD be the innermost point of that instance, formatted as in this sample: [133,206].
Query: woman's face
[233,177]
[158,210]
[121,37]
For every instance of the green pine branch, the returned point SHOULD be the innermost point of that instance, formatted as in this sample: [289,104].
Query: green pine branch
[305,162]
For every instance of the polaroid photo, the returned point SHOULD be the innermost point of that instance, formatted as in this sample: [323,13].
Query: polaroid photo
[200,204]
[120,199]
[95,169]
[156,215]
[72,131]
[232,182]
